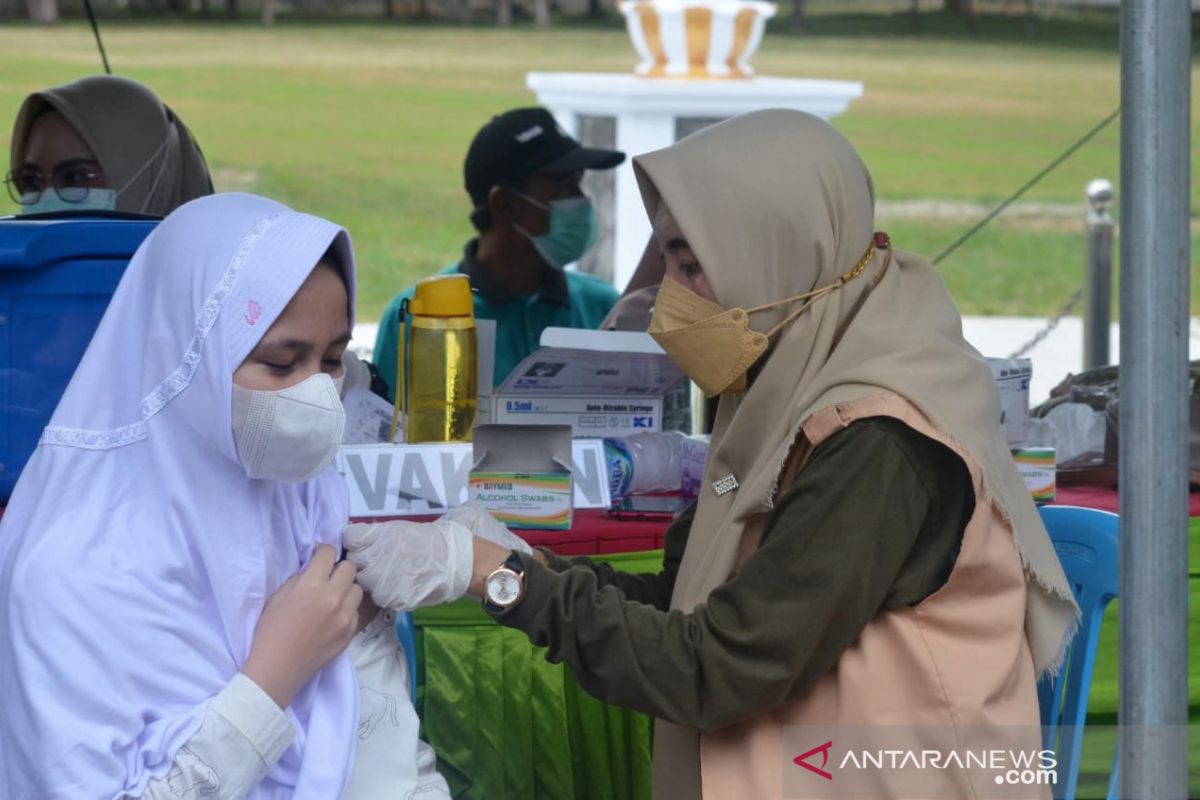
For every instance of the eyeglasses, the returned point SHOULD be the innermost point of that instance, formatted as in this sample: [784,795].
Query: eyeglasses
[71,181]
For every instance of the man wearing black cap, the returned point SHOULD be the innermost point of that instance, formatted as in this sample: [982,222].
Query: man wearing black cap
[523,175]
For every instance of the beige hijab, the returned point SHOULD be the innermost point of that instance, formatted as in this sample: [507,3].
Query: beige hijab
[128,128]
[776,204]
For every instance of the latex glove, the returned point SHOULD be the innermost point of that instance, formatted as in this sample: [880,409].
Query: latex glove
[357,372]
[404,565]
[480,522]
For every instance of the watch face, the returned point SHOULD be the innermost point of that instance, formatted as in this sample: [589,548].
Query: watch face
[503,587]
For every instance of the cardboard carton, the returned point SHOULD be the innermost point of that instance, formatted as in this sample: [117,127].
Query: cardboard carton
[522,474]
[1012,377]
[599,383]
[1037,467]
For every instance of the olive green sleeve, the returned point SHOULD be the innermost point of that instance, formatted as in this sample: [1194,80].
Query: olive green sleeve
[877,507]
[653,589]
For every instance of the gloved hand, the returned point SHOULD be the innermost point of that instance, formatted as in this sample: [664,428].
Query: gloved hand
[404,565]
[480,522]
[357,372]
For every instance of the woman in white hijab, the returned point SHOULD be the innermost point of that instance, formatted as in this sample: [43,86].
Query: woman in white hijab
[863,556]
[175,624]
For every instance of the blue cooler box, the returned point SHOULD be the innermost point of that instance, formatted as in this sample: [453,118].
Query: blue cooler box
[56,278]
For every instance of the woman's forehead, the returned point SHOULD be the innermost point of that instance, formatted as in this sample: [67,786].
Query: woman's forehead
[53,139]
[323,294]
[665,225]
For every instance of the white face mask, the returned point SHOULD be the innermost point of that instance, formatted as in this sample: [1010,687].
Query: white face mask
[292,434]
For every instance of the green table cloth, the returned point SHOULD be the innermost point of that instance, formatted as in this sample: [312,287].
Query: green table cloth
[507,725]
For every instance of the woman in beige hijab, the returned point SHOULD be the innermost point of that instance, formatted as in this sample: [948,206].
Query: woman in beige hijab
[865,569]
[105,143]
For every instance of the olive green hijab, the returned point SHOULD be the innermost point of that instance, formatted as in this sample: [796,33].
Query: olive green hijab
[137,139]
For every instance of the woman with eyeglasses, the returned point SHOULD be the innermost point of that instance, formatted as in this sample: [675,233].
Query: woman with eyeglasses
[103,143]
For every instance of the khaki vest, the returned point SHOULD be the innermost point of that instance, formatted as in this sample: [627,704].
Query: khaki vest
[956,662]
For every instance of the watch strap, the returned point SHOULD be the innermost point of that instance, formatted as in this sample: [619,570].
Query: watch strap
[515,563]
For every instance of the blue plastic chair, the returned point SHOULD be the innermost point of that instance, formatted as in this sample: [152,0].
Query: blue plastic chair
[1089,548]
[408,640]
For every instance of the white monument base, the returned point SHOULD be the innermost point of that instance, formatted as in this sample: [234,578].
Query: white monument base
[646,112]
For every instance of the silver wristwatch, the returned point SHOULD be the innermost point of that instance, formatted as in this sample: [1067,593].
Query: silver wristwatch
[505,587]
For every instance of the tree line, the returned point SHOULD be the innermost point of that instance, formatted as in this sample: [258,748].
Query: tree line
[502,12]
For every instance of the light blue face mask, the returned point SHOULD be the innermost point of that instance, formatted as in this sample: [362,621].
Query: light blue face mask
[572,230]
[96,200]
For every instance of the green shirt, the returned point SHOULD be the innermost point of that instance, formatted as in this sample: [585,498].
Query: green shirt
[564,300]
[872,522]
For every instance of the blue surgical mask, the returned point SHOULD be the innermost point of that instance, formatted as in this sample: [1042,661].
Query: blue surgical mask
[96,200]
[572,230]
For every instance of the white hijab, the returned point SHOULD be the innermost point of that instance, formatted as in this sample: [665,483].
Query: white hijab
[135,555]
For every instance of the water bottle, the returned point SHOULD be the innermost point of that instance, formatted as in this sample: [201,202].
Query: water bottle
[436,362]
[654,462]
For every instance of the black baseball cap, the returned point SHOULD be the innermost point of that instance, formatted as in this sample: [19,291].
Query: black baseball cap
[525,142]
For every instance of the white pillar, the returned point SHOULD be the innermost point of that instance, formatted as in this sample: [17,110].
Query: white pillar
[646,111]
[567,119]
[637,133]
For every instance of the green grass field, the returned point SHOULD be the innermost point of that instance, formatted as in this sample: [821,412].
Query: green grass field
[367,123]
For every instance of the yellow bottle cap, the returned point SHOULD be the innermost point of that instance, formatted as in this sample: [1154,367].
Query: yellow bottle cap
[443,296]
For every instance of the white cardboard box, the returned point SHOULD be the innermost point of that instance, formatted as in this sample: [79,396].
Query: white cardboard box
[522,474]
[1012,377]
[601,383]
[587,416]
[400,480]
